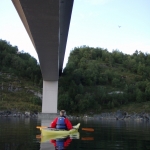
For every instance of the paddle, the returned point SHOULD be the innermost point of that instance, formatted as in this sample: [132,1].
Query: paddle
[85,129]
[87,138]
[88,129]
[38,136]
[39,127]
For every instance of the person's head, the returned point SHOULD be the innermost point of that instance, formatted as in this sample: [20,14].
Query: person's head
[62,113]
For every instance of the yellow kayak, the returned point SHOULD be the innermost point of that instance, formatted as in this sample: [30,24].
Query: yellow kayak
[49,134]
[75,135]
[58,132]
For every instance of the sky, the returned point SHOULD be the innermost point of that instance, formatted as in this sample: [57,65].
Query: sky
[112,24]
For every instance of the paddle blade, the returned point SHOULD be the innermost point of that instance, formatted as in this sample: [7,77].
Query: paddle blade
[39,127]
[87,138]
[88,129]
[38,136]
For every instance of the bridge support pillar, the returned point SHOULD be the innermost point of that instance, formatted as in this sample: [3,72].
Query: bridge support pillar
[50,96]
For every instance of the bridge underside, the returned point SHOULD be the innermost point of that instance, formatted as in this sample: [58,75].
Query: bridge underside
[47,23]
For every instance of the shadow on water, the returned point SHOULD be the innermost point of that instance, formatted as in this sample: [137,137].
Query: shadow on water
[21,134]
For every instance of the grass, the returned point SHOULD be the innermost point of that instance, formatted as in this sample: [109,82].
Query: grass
[21,100]
[19,106]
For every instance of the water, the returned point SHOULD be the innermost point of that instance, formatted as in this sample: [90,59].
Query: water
[21,134]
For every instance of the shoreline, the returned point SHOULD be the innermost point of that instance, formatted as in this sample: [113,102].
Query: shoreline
[118,115]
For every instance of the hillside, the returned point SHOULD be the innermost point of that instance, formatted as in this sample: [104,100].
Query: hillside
[20,80]
[19,94]
[96,80]
[93,81]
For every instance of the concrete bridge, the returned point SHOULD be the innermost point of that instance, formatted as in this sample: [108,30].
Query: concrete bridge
[47,24]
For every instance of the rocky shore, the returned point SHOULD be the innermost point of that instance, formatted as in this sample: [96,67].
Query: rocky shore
[18,114]
[119,115]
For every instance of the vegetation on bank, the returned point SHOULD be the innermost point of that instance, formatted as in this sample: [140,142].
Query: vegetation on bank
[94,80]
[19,63]
[20,80]
[19,94]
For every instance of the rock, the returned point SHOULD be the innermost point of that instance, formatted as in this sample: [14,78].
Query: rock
[120,115]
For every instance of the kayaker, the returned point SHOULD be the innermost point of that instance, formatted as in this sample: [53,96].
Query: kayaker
[61,122]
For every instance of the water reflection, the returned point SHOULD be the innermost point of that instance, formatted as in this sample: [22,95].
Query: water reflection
[57,143]
[20,134]
[62,143]
[113,134]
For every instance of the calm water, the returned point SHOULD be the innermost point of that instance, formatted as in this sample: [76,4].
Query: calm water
[21,134]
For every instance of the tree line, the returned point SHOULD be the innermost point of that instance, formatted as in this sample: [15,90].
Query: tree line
[95,79]
[19,63]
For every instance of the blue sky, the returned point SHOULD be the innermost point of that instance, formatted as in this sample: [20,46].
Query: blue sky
[94,23]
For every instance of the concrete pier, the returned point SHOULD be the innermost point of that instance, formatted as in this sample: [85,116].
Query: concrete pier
[50,94]
[49,116]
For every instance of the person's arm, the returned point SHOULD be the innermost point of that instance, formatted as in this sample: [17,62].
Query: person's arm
[68,124]
[53,142]
[53,124]
[67,142]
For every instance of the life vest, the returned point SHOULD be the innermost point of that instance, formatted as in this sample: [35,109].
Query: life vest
[60,144]
[61,123]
